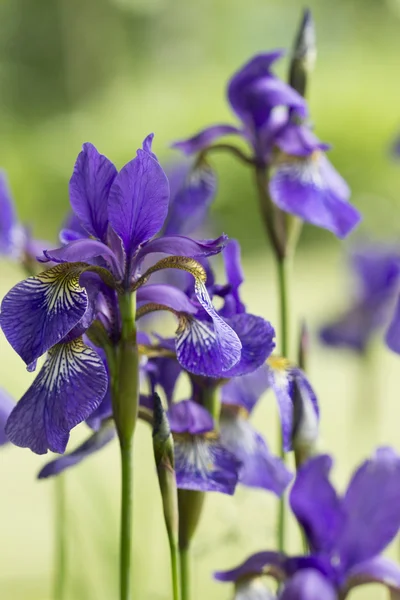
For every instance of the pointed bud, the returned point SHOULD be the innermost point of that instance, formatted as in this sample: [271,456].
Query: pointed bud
[304,54]
[163,447]
[303,350]
[305,421]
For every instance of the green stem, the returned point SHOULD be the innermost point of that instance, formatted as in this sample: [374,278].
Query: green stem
[60,527]
[283,266]
[184,558]
[174,554]
[126,521]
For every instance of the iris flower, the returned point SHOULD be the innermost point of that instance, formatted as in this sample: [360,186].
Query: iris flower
[376,269]
[6,406]
[274,124]
[121,212]
[346,535]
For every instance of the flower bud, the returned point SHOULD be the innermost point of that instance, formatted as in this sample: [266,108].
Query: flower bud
[304,54]
[305,422]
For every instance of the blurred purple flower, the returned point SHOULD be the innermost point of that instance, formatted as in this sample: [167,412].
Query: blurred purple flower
[376,269]
[6,406]
[346,534]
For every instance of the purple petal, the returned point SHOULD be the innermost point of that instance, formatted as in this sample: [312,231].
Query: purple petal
[352,330]
[190,203]
[298,140]
[8,217]
[253,91]
[162,293]
[316,505]
[377,570]
[312,190]
[189,417]
[377,267]
[257,339]
[96,442]
[204,465]
[83,250]
[38,312]
[256,564]
[392,337]
[305,413]
[89,188]
[205,138]
[72,229]
[309,584]
[260,468]
[234,271]
[372,504]
[245,391]
[68,388]
[6,406]
[178,245]
[138,201]
[147,146]
[167,371]
[253,588]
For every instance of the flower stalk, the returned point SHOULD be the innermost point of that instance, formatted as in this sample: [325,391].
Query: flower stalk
[60,528]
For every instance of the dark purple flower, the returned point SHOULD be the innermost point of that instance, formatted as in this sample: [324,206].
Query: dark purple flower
[202,463]
[6,406]
[376,270]
[253,92]
[346,534]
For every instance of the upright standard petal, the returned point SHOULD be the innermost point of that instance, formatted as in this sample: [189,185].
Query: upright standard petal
[234,273]
[316,505]
[309,584]
[205,138]
[38,312]
[138,201]
[372,505]
[190,204]
[93,444]
[260,468]
[6,406]
[312,190]
[203,464]
[257,338]
[89,188]
[69,387]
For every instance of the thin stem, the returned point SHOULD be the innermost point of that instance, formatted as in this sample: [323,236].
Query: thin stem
[126,520]
[284,316]
[60,528]
[237,152]
[175,575]
[184,558]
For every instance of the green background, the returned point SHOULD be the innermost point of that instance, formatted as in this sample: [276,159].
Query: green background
[111,72]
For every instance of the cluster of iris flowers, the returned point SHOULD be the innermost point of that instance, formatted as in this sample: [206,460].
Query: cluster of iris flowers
[126,251]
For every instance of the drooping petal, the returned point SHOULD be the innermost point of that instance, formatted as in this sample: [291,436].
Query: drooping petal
[372,504]
[316,505]
[93,444]
[89,188]
[84,250]
[309,584]
[205,138]
[138,201]
[260,468]
[313,191]
[253,91]
[352,330]
[38,312]
[377,570]
[203,464]
[190,203]
[245,391]
[162,293]
[68,388]
[392,337]
[6,406]
[295,139]
[257,338]
[257,564]
[189,417]
[8,217]
[180,245]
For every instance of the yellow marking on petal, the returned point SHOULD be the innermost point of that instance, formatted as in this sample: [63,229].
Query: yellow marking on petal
[278,363]
[184,263]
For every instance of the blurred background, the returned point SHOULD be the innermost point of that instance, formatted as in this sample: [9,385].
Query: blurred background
[110,72]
